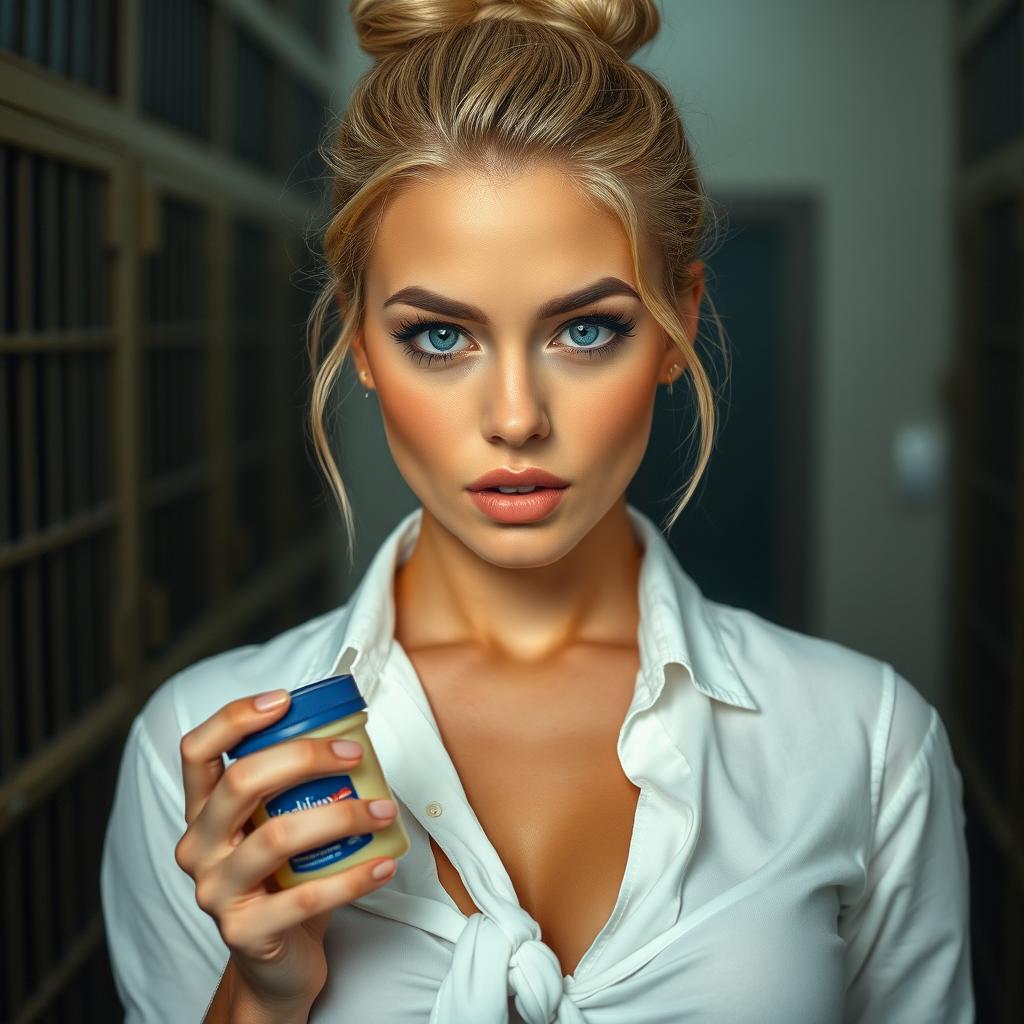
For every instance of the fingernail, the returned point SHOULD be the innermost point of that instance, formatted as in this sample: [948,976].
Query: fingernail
[271,699]
[383,869]
[346,749]
[383,808]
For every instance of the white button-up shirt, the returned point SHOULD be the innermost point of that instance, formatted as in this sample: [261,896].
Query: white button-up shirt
[797,853]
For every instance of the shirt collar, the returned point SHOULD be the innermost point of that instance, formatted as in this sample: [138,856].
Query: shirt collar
[676,621]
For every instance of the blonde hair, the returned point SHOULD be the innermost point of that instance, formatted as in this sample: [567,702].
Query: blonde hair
[498,87]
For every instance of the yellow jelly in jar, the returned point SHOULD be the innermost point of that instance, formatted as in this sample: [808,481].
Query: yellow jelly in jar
[333,708]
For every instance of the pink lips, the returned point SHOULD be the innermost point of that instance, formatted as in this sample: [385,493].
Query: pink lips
[518,508]
[517,478]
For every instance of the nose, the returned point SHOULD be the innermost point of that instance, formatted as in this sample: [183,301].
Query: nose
[514,406]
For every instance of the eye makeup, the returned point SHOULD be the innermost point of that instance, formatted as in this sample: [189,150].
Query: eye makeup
[621,326]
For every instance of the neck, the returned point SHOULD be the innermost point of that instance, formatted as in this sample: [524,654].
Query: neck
[446,593]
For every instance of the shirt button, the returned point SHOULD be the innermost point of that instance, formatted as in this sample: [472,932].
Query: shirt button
[434,809]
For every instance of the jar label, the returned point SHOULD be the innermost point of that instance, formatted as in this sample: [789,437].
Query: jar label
[313,794]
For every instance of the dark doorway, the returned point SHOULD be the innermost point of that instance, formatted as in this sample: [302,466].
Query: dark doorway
[747,535]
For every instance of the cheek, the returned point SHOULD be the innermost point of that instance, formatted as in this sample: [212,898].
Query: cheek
[611,417]
[421,423]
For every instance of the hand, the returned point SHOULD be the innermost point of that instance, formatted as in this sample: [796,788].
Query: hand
[275,936]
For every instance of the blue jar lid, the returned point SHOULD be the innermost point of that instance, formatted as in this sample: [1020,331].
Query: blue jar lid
[312,705]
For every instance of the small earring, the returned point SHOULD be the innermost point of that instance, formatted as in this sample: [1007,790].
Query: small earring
[671,371]
[366,394]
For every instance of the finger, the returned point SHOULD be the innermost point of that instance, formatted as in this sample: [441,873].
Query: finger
[262,852]
[259,775]
[201,748]
[256,923]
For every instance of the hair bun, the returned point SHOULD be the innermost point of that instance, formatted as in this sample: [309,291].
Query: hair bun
[389,26]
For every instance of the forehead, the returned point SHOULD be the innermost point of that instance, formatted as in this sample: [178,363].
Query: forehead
[535,230]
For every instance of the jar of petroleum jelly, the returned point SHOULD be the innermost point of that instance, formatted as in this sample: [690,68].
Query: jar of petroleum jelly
[332,707]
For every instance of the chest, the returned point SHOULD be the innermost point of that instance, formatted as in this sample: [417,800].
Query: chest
[537,759]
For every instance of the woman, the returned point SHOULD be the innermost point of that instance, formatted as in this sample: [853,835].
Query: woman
[626,802]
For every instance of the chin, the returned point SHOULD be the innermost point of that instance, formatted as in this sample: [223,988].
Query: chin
[530,546]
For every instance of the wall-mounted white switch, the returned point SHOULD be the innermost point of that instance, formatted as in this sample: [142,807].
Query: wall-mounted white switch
[919,463]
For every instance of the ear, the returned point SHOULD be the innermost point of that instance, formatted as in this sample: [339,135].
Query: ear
[357,347]
[688,307]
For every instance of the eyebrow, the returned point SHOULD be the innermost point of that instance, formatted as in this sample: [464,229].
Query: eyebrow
[425,299]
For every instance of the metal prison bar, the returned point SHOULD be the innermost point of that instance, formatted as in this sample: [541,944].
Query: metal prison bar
[987,641]
[157,498]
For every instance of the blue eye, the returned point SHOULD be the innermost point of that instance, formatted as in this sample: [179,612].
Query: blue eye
[441,335]
[584,332]
[589,331]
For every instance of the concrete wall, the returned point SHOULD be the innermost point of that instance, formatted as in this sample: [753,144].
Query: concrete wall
[852,103]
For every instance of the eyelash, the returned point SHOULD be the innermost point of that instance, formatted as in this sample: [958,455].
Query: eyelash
[409,329]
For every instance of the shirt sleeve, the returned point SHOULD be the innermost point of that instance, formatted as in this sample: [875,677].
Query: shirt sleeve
[907,953]
[166,952]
